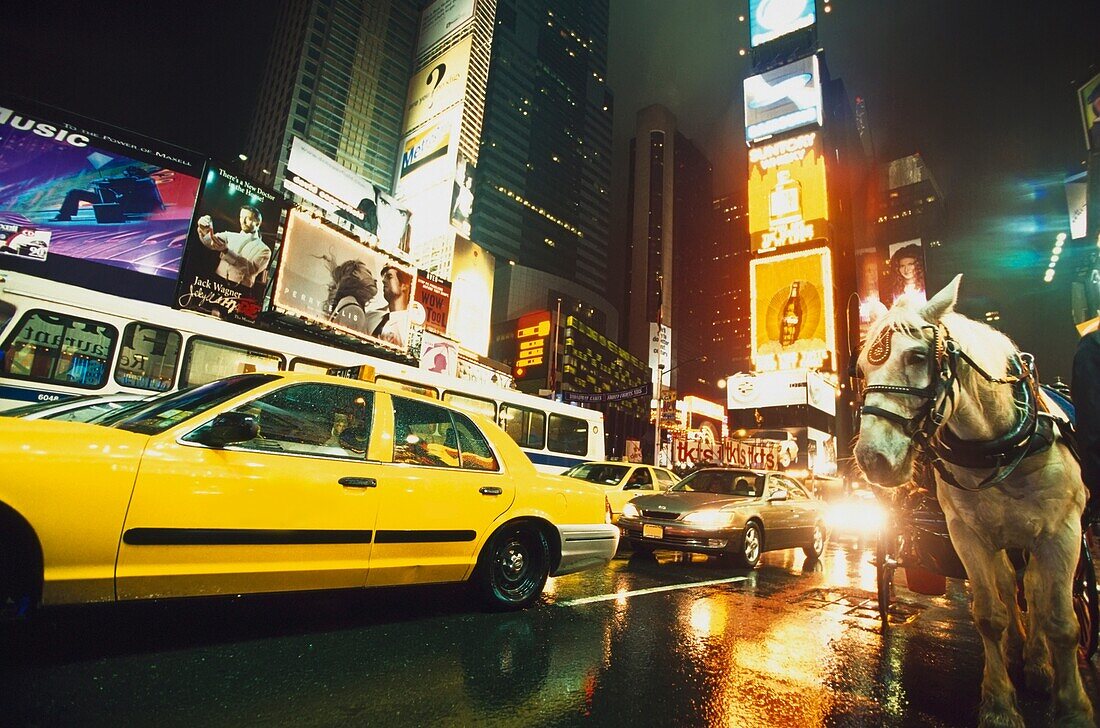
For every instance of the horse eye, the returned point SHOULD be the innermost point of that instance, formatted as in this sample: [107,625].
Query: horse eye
[915,357]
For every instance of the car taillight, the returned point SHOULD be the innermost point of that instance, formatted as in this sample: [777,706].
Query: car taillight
[606,510]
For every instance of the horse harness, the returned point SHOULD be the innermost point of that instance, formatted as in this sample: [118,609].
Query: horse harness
[1032,433]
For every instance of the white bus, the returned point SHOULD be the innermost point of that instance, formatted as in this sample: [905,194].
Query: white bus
[58,341]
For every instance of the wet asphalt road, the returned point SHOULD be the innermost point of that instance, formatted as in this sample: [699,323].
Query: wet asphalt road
[670,640]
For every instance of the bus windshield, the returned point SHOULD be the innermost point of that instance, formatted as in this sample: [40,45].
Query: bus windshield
[168,411]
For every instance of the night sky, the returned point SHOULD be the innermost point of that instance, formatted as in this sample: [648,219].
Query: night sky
[984,90]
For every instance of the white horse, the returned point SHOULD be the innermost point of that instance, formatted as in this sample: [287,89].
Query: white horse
[952,386]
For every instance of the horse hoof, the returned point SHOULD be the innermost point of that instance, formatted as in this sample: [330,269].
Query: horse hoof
[1000,719]
[1039,679]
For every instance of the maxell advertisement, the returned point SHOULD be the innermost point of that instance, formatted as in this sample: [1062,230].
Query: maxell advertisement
[334,280]
[229,248]
[434,294]
[771,19]
[791,301]
[788,199]
[426,187]
[348,200]
[472,273]
[441,18]
[783,99]
[76,196]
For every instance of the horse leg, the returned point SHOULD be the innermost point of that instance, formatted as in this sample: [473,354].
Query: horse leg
[1038,672]
[1054,561]
[1016,637]
[987,569]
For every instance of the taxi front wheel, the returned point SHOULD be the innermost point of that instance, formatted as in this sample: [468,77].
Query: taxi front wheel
[513,567]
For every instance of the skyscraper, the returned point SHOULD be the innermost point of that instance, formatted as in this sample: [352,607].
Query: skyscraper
[542,187]
[336,77]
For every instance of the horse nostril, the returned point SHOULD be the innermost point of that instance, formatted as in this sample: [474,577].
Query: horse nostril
[874,466]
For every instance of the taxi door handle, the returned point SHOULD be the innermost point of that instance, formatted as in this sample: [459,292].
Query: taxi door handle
[490,490]
[358,482]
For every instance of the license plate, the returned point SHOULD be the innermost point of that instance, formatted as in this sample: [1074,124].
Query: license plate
[651,531]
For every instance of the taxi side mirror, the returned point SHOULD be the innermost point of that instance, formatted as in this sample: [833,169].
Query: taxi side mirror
[228,428]
[779,494]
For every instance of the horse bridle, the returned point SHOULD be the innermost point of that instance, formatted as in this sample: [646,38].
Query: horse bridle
[925,426]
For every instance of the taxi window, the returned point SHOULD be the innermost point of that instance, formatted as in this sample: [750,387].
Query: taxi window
[527,427]
[52,347]
[664,477]
[423,434]
[568,435]
[312,419]
[476,453]
[639,480]
[148,357]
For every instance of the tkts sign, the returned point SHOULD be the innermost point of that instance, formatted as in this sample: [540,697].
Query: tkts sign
[788,198]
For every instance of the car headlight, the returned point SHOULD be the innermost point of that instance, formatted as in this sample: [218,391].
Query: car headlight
[866,518]
[630,511]
[709,519]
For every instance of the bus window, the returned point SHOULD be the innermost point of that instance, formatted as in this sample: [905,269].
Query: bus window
[311,367]
[148,357]
[50,347]
[207,360]
[527,427]
[476,405]
[409,386]
[568,435]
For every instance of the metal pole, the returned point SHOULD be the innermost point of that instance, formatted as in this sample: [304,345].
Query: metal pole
[657,413]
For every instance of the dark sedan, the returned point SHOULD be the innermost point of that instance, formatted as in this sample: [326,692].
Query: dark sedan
[728,512]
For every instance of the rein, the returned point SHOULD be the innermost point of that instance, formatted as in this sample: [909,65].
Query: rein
[1030,434]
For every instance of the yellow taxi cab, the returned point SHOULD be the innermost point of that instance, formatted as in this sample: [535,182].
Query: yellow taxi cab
[279,482]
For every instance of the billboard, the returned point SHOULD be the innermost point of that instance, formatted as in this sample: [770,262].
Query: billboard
[439,355]
[771,19]
[532,346]
[783,99]
[425,186]
[434,294]
[749,390]
[438,86]
[347,199]
[229,248]
[333,280]
[791,304]
[1089,97]
[462,195]
[472,272]
[85,203]
[869,270]
[439,19]
[905,271]
[788,196]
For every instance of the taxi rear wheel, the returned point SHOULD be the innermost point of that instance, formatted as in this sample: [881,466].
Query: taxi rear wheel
[514,567]
[17,586]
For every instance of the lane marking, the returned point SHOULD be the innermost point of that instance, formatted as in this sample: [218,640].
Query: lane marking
[652,590]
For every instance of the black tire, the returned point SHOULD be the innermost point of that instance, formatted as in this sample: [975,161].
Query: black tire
[1085,603]
[513,567]
[642,549]
[816,546]
[18,595]
[752,545]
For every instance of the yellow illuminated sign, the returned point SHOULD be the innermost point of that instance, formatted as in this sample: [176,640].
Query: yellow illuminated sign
[532,331]
[792,310]
[788,198]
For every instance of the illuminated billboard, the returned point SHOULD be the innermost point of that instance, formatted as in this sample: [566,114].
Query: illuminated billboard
[439,19]
[472,275]
[229,248]
[329,278]
[791,297]
[434,294]
[869,271]
[347,199]
[1089,97]
[438,87]
[532,346]
[771,19]
[426,187]
[906,271]
[785,98]
[93,205]
[788,197]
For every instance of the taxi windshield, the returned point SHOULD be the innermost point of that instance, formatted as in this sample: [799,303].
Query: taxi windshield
[165,412]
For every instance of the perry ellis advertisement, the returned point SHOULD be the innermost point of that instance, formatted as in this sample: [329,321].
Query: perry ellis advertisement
[94,206]
[791,298]
[788,200]
[229,247]
[334,280]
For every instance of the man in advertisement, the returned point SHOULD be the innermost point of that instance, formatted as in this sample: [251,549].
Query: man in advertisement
[243,256]
[391,322]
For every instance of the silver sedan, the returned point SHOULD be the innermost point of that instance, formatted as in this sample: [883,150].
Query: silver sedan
[728,512]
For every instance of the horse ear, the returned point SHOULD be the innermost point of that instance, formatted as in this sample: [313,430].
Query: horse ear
[943,302]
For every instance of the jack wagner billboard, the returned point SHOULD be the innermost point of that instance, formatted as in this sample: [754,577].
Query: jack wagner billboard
[791,298]
[771,19]
[788,198]
[782,99]
[229,248]
[347,199]
[332,279]
[103,205]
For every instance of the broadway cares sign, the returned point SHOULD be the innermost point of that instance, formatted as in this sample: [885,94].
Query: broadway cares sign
[782,99]
[788,199]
